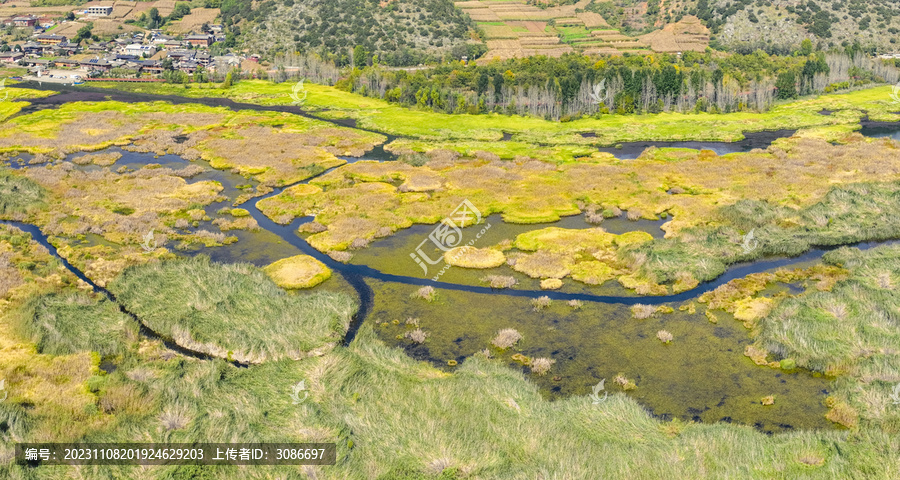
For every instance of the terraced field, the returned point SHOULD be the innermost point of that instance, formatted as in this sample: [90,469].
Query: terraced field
[514,29]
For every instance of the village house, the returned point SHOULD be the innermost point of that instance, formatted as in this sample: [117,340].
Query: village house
[96,64]
[11,57]
[26,21]
[160,39]
[203,58]
[187,66]
[180,54]
[33,48]
[203,40]
[64,49]
[67,63]
[40,62]
[170,44]
[225,63]
[153,66]
[100,47]
[50,39]
[139,50]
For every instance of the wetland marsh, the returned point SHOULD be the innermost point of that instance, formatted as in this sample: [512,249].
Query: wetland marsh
[654,288]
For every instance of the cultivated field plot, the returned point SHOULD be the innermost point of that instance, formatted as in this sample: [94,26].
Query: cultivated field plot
[122,9]
[194,21]
[68,29]
[10,9]
[105,26]
[513,28]
[137,9]
[165,7]
[686,35]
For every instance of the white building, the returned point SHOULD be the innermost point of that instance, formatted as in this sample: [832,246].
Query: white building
[138,50]
[101,11]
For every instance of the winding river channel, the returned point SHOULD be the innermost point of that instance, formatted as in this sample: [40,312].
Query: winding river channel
[703,376]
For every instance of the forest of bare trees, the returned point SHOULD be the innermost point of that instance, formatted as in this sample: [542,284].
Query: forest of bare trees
[585,88]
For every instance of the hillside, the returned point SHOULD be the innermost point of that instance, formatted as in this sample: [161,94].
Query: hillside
[399,32]
[779,26]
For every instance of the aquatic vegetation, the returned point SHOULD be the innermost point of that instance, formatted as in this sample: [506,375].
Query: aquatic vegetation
[551,284]
[541,366]
[384,116]
[704,236]
[64,324]
[232,311]
[500,281]
[18,195]
[418,335]
[241,223]
[300,271]
[312,227]
[506,338]
[664,336]
[540,303]
[544,265]
[624,382]
[343,257]
[121,208]
[425,293]
[641,311]
[472,257]
[593,272]
[102,159]
[358,243]
[524,360]
[248,142]
[758,355]
[157,395]
[843,414]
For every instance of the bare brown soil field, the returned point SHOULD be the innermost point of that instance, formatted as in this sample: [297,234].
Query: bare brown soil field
[686,35]
[498,31]
[165,7]
[194,21]
[122,9]
[105,26]
[68,29]
[592,20]
[534,28]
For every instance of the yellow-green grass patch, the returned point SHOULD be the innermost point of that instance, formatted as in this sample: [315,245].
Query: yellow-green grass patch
[300,271]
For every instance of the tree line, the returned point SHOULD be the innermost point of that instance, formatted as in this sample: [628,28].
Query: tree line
[575,85]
